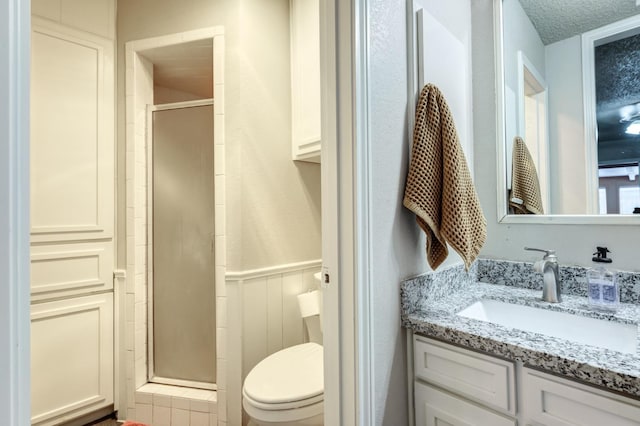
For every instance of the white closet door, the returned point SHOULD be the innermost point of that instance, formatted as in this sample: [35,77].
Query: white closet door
[72,216]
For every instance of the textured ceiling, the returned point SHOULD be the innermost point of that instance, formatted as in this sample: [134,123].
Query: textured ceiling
[187,67]
[557,20]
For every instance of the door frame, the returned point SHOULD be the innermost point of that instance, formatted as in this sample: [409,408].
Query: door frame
[15,33]
[151,374]
[345,247]
[590,40]
[346,235]
[528,75]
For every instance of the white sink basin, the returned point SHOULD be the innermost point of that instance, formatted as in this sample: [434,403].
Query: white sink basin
[583,330]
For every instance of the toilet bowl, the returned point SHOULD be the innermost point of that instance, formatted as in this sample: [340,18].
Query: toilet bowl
[287,388]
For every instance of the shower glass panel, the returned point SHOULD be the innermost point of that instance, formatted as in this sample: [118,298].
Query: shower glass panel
[183,287]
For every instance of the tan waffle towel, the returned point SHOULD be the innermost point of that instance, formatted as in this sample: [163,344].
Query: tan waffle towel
[439,189]
[525,188]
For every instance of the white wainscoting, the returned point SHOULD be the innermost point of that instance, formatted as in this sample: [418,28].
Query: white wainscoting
[263,318]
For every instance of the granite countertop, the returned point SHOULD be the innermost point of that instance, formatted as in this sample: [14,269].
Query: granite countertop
[430,304]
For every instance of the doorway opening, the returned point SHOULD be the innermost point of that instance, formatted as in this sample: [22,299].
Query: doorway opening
[533,121]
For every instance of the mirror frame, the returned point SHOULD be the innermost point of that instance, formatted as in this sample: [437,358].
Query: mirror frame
[501,183]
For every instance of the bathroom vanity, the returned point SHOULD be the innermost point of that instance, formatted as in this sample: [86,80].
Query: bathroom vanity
[549,366]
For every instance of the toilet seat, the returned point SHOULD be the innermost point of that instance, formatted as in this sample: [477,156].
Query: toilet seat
[284,405]
[287,385]
[289,412]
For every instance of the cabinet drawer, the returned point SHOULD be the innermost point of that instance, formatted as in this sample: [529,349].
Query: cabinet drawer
[552,401]
[475,376]
[435,407]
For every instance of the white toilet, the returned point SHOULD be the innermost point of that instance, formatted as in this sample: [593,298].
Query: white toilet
[287,387]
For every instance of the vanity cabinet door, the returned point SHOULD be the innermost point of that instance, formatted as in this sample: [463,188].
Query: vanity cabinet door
[552,401]
[487,380]
[438,408]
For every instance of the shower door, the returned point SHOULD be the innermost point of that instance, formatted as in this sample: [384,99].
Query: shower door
[183,304]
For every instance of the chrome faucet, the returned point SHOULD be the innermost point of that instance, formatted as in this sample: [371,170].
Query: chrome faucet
[548,266]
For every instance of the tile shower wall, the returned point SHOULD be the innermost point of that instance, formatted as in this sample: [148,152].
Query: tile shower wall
[140,90]
[151,403]
[263,318]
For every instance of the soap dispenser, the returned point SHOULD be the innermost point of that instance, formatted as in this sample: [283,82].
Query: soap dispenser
[603,289]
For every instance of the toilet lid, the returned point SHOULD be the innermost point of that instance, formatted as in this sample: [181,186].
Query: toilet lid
[292,374]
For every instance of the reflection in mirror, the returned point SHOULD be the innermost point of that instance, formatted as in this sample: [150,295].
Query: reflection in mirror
[571,71]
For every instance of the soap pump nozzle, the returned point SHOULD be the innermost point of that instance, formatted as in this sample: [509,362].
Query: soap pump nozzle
[601,255]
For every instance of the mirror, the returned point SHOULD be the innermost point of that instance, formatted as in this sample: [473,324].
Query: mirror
[569,86]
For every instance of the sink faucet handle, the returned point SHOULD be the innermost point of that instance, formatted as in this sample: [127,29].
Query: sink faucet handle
[546,252]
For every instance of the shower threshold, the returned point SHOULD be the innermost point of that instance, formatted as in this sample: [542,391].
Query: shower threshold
[183,383]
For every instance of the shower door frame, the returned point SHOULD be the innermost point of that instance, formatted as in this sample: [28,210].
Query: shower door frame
[152,377]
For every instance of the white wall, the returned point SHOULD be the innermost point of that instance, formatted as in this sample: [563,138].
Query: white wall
[566,127]
[400,252]
[398,247]
[574,243]
[519,35]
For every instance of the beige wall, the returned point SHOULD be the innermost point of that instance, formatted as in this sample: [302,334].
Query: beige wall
[166,95]
[137,20]
[273,204]
[96,16]
[280,203]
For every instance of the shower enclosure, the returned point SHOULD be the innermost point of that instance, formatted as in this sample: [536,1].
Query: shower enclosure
[182,308]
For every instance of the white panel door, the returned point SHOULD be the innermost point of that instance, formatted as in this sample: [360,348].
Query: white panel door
[71,357]
[72,216]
